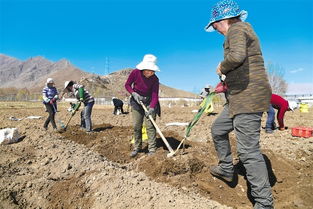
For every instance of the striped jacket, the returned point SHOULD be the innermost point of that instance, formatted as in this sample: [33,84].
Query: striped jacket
[49,93]
[87,97]
[249,90]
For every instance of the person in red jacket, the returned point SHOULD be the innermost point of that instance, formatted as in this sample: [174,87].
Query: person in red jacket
[282,106]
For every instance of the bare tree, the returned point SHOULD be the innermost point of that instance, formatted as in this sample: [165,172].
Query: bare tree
[276,78]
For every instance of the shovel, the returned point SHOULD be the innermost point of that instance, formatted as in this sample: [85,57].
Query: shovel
[160,133]
[63,129]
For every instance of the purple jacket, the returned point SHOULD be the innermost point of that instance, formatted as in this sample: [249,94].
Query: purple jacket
[147,87]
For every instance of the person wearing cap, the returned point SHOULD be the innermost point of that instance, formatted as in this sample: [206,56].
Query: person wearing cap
[50,96]
[282,106]
[248,96]
[82,96]
[143,85]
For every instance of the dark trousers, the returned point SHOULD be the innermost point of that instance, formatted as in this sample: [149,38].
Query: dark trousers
[51,110]
[247,130]
[118,108]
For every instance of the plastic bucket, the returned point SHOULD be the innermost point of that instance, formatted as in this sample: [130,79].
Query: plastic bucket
[302,132]
[304,107]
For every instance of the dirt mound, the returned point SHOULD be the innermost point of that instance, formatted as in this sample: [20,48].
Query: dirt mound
[189,170]
[76,169]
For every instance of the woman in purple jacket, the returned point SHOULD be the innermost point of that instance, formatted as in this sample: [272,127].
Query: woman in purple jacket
[143,85]
[50,95]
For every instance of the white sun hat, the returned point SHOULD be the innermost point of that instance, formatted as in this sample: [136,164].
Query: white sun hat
[292,105]
[50,80]
[68,83]
[148,63]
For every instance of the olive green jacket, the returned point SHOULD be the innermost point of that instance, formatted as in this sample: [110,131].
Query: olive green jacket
[249,90]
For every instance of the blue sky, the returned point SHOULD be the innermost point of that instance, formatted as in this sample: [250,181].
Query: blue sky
[88,32]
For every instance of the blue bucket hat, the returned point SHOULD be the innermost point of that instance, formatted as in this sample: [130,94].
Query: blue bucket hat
[223,10]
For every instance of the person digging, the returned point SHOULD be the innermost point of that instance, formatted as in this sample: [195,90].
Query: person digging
[143,85]
[82,96]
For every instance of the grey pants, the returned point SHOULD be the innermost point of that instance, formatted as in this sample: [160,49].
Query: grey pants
[247,130]
[86,116]
[138,119]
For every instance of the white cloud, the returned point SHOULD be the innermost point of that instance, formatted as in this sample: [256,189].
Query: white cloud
[300,88]
[296,70]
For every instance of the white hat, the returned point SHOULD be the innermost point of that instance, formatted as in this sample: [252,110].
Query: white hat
[148,63]
[50,80]
[67,83]
[292,105]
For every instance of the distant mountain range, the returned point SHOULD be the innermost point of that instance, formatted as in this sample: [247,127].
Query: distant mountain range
[33,73]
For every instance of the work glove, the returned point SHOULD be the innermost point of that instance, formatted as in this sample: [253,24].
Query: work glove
[76,107]
[220,88]
[81,99]
[46,100]
[149,112]
[137,97]
[52,101]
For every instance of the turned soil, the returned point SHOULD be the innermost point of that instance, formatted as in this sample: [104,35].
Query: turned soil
[74,169]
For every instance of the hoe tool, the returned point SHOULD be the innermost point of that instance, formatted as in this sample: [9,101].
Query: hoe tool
[160,133]
[63,129]
[207,101]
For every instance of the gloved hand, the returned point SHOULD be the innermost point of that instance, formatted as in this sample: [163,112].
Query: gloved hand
[137,97]
[150,112]
[76,107]
[52,101]
[81,99]
[220,88]
[46,100]
[283,128]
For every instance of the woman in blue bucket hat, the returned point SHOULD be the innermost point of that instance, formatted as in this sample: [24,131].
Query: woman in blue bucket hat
[248,96]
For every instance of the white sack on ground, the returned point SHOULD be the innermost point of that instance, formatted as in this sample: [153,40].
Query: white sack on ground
[14,118]
[176,124]
[34,117]
[9,136]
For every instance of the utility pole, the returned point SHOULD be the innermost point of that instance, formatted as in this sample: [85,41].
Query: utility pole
[107,66]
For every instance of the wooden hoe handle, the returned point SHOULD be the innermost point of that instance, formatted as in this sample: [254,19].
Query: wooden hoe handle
[158,130]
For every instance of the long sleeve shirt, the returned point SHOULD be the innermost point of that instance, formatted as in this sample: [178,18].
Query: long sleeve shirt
[87,97]
[249,90]
[49,93]
[147,87]
[282,106]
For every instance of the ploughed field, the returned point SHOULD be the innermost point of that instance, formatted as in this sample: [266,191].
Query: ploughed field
[78,170]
